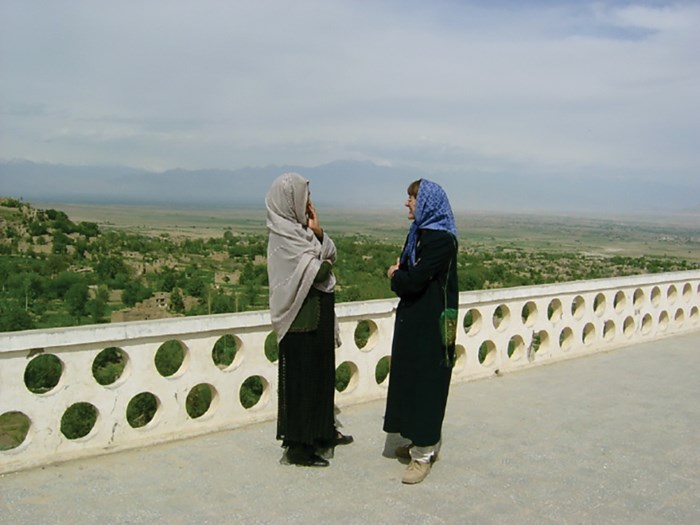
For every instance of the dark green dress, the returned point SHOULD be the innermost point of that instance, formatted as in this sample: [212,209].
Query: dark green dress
[419,379]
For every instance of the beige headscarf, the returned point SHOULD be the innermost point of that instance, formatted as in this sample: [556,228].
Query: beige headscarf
[294,254]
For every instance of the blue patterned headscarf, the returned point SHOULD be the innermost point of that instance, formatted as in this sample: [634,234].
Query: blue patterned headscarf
[433,212]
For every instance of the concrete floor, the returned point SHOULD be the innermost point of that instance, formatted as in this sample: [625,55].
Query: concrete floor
[609,438]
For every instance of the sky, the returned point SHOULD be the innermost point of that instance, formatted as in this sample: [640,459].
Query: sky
[558,89]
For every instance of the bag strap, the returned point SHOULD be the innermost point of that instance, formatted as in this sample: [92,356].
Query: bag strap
[447,275]
[449,361]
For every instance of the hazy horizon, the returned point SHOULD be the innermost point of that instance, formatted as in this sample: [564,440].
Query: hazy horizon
[394,217]
[341,185]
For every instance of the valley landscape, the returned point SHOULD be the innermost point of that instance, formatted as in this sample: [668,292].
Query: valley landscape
[64,264]
[662,235]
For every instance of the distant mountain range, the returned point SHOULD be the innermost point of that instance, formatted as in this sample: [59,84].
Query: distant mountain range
[344,184]
[341,184]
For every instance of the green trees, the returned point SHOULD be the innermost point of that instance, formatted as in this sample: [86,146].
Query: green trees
[97,306]
[14,317]
[177,303]
[361,268]
[58,286]
[76,300]
[167,279]
[113,271]
[221,303]
[60,243]
[55,272]
[37,228]
[88,229]
[135,292]
[43,373]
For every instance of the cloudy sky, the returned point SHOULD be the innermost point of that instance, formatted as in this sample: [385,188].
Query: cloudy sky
[532,88]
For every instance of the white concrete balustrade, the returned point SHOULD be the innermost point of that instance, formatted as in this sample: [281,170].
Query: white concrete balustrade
[500,331]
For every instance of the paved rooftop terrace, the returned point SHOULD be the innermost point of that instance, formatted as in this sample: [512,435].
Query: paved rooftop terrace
[608,438]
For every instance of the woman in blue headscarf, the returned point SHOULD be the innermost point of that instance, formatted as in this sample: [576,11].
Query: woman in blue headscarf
[422,353]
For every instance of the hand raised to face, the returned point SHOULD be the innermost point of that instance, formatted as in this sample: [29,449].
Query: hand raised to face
[314,222]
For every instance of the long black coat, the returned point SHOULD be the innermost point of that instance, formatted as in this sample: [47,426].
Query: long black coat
[419,379]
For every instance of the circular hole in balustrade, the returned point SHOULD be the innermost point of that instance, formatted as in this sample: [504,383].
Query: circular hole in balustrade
[460,357]
[578,306]
[142,409]
[170,357]
[694,316]
[78,420]
[346,376]
[619,302]
[224,352]
[628,326]
[554,310]
[687,292]
[272,349]
[381,371]
[638,298]
[252,391]
[672,294]
[647,323]
[487,353]
[566,339]
[516,348]
[14,428]
[529,313]
[472,322]
[679,317]
[200,400]
[599,304]
[501,317]
[655,296]
[540,340]
[109,365]
[609,330]
[366,335]
[663,320]
[588,334]
[43,373]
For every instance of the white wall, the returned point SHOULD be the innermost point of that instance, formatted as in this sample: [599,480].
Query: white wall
[567,320]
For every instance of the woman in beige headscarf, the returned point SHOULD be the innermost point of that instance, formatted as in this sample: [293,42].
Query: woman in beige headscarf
[300,258]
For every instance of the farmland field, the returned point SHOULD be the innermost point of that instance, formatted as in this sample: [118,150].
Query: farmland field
[675,236]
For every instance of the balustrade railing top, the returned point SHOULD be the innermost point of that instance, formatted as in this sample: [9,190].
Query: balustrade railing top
[75,392]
